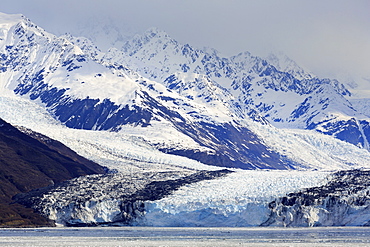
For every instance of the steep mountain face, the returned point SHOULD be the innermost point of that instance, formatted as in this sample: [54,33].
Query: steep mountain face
[28,163]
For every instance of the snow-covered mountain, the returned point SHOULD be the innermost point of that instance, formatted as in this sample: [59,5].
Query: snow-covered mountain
[164,110]
[83,93]
[214,105]
[283,63]
[276,87]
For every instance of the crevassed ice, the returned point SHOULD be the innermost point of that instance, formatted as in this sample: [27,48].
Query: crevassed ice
[239,199]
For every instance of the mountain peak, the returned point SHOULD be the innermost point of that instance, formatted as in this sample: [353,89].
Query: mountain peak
[285,64]
[8,21]
[152,35]
[19,24]
[155,32]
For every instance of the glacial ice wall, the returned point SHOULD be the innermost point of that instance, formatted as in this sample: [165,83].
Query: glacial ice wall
[219,198]
[109,198]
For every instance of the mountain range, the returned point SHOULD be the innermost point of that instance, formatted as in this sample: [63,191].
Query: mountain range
[155,97]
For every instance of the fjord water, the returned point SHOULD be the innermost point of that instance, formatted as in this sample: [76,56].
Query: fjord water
[171,236]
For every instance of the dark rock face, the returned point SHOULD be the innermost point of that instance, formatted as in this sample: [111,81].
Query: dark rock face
[27,163]
[93,114]
[108,199]
[35,164]
[344,201]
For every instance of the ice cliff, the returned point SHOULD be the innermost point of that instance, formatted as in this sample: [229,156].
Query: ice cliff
[191,199]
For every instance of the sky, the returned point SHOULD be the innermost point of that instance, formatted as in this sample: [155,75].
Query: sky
[329,37]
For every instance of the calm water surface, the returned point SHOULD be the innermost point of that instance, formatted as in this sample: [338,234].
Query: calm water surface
[169,236]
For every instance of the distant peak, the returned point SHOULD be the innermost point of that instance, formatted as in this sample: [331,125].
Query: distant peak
[278,57]
[7,21]
[149,35]
[103,31]
[152,35]
[155,32]
[284,63]
[245,54]
[211,51]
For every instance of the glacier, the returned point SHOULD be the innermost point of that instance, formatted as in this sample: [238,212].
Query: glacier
[239,199]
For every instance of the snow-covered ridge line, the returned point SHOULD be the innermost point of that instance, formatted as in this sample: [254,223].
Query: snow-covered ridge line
[275,87]
[122,150]
[125,151]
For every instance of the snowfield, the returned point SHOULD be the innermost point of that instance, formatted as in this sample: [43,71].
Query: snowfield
[122,151]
